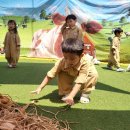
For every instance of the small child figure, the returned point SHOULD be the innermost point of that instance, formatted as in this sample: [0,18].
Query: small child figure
[12,44]
[74,71]
[114,56]
[69,29]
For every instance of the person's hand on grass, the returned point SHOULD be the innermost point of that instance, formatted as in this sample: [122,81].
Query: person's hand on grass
[68,100]
[37,91]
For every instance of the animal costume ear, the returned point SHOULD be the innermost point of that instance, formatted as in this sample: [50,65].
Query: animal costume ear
[58,19]
[91,27]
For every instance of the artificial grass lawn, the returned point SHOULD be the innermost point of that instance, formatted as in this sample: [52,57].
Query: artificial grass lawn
[109,108]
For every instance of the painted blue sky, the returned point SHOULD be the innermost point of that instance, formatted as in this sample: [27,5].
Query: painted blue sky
[84,9]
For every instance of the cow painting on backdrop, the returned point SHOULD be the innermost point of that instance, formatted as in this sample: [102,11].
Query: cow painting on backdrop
[47,43]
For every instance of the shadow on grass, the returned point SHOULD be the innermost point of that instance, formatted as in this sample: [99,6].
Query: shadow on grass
[89,119]
[25,73]
[55,98]
[105,87]
[33,73]
[105,68]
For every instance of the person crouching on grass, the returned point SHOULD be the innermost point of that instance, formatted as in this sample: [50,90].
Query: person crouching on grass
[74,71]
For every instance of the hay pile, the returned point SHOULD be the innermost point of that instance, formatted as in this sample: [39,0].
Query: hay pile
[15,117]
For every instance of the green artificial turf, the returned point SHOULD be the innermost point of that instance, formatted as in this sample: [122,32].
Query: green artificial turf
[109,108]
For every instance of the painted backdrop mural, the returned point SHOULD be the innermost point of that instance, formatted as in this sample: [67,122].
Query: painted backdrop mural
[39,23]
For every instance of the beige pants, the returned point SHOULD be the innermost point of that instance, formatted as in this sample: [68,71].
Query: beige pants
[114,60]
[12,55]
[66,83]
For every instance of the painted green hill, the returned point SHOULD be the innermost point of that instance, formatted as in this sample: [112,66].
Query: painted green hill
[100,39]
[102,43]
